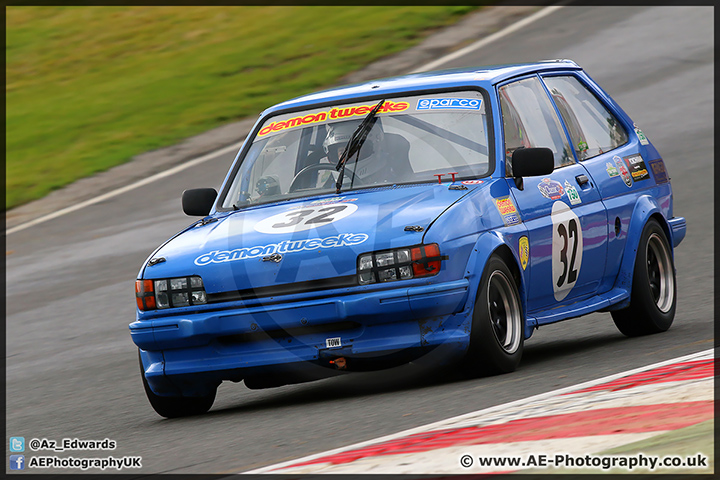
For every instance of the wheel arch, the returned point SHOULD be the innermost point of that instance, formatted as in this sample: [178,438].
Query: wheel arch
[504,252]
[646,208]
[494,243]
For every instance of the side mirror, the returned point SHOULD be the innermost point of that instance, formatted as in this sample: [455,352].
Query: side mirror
[198,201]
[531,162]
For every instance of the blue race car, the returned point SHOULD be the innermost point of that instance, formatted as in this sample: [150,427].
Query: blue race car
[438,216]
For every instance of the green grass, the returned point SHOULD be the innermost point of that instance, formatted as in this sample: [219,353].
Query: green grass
[89,87]
[685,442]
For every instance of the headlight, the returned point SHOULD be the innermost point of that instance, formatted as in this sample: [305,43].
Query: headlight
[170,292]
[399,264]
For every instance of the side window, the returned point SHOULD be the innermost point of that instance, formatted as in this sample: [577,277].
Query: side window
[529,120]
[593,129]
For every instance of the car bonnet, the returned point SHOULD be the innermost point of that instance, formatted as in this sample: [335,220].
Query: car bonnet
[301,241]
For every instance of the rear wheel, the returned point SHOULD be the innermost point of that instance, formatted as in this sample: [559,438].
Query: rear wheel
[173,407]
[497,337]
[654,292]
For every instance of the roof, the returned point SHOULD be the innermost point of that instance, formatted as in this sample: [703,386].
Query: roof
[483,76]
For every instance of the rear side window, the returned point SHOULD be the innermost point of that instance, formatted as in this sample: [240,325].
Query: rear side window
[529,120]
[593,129]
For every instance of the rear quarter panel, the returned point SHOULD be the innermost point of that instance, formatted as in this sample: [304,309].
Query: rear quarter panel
[630,205]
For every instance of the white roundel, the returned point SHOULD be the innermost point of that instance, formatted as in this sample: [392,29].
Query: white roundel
[305,218]
[567,249]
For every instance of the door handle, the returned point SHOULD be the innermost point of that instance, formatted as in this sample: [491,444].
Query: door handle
[582,179]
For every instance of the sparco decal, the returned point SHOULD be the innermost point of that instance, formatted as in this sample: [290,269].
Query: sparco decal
[286,246]
[449,104]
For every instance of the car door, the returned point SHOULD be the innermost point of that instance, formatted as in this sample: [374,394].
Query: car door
[566,221]
[613,154]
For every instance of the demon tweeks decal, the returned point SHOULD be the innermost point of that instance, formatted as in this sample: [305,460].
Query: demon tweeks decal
[286,246]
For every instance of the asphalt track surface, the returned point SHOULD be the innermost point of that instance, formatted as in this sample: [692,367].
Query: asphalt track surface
[72,369]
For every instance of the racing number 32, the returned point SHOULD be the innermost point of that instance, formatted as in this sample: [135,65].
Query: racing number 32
[567,249]
[563,232]
[305,218]
[302,215]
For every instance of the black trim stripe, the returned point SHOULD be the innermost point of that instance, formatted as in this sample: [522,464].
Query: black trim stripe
[284,289]
[309,286]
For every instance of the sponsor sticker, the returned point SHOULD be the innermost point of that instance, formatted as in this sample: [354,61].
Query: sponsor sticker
[637,168]
[507,210]
[471,182]
[524,249]
[641,136]
[551,189]
[572,194]
[611,170]
[325,201]
[333,342]
[620,165]
[449,104]
[511,219]
[286,246]
[343,113]
[658,169]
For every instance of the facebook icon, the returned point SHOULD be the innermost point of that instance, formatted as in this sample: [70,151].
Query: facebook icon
[17,462]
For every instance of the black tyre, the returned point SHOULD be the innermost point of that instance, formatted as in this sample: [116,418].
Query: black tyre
[173,407]
[497,336]
[654,291]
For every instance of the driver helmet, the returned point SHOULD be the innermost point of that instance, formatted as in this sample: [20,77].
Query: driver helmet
[339,134]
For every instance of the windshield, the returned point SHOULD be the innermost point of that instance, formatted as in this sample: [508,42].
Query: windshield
[412,139]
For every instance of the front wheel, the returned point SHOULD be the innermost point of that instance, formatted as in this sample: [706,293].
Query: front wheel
[654,292]
[173,407]
[497,337]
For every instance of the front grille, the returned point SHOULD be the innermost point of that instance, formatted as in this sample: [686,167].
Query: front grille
[284,289]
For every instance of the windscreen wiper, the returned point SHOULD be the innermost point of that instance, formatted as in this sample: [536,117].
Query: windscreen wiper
[356,142]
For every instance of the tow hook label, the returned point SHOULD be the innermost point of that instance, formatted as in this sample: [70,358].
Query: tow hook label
[333,342]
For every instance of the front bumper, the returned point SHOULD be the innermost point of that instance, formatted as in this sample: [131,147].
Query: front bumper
[183,352]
